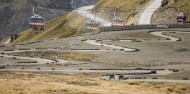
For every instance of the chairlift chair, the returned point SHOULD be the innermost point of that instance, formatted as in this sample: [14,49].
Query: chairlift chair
[181,17]
[117,21]
[37,21]
[92,22]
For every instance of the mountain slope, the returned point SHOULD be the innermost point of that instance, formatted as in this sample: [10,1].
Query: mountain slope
[54,29]
[170,11]
[64,26]
[126,9]
[14,14]
[73,23]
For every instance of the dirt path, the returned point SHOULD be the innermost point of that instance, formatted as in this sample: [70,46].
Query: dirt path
[146,15]
[39,60]
[160,34]
[84,11]
[7,42]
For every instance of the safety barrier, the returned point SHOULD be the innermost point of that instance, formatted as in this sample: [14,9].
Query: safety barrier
[135,73]
[2,67]
[24,49]
[85,49]
[150,69]
[27,62]
[138,27]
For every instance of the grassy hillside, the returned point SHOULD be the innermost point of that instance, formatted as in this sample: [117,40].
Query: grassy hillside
[53,29]
[170,11]
[126,8]
[34,83]
[75,20]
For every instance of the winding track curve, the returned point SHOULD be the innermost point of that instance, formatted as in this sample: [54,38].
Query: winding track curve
[160,34]
[93,42]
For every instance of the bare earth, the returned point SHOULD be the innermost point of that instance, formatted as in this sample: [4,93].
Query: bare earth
[82,60]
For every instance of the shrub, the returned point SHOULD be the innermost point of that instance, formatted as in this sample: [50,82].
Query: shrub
[164,2]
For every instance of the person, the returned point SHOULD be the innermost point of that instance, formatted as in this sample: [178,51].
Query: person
[121,77]
[112,77]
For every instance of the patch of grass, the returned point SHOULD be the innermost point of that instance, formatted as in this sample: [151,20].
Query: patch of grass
[83,83]
[63,55]
[74,84]
[134,83]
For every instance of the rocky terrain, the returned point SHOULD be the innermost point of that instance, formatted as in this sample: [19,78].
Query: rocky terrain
[170,11]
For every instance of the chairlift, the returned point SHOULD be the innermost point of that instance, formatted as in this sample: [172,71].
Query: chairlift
[181,17]
[37,21]
[117,21]
[92,22]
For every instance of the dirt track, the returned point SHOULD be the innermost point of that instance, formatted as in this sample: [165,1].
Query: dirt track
[155,52]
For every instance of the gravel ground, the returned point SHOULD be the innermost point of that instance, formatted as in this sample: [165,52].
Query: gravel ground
[154,51]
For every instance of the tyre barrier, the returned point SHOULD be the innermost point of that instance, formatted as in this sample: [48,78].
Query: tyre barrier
[179,39]
[148,69]
[2,45]
[130,39]
[84,49]
[2,67]
[21,62]
[121,49]
[83,40]
[135,73]
[41,48]
[99,39]
[24,49]
[9,50]
[136,78]
[16,55]
[19,44]
[138,27]
[136,40]
[174,70]
[154,78]
[185,79]
[30,42]
[53,59]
